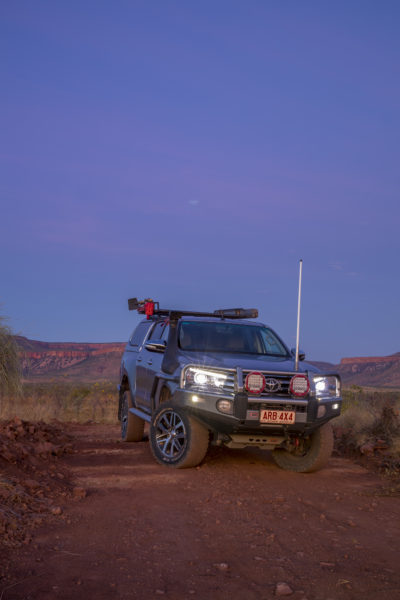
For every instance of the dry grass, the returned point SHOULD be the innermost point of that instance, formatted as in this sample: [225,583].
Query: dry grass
[370,425]
[370,418]
[62,402]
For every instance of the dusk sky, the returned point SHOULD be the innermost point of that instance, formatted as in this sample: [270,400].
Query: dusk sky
[193,152]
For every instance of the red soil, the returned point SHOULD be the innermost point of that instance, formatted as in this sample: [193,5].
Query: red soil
[237,527]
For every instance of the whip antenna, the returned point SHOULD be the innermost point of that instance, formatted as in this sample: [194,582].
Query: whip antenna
[296,364]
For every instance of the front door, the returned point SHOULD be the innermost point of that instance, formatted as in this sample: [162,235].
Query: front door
[148,366]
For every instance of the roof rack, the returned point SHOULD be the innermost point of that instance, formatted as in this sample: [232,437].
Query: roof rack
[151,308]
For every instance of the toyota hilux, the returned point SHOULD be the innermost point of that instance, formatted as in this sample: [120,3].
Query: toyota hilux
[226,379]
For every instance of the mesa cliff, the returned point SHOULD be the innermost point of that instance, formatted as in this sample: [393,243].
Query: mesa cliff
[90,362]
[69,360]
[379,371]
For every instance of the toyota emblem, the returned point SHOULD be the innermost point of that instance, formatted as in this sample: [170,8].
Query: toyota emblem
[272,385]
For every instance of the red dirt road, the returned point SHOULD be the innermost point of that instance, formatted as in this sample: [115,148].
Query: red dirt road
[236,528]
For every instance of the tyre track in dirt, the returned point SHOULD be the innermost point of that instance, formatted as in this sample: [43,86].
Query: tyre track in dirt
[233,528]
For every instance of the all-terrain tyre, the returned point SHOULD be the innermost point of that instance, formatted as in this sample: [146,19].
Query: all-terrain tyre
[312,455]
[132,427]
[176,439]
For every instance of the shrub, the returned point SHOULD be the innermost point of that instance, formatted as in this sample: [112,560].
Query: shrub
[370,425]
[10,368]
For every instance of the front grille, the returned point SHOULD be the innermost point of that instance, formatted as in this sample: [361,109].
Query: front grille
[284,383]
[229,384]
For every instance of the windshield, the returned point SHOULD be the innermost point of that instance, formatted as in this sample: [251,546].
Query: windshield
[230,337]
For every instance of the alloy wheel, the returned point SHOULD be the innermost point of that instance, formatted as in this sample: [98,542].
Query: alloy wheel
[171,436]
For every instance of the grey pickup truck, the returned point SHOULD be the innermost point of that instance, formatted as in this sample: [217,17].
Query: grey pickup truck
[199,378]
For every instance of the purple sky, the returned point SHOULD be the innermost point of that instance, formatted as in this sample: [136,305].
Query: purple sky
[194,152]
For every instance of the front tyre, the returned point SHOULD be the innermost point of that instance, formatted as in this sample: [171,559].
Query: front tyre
[132,427]
[312,453]
[176,439]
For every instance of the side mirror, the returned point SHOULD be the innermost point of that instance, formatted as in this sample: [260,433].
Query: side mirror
[156,345]
[302,354]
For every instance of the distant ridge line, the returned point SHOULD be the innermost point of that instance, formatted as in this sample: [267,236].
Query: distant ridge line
[371,359]
[80,361]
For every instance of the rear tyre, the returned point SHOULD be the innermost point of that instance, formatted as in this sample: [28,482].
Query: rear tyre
[311,455]
[132,427]
[176,439]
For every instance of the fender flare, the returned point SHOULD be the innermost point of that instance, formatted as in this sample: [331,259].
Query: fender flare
[159,384]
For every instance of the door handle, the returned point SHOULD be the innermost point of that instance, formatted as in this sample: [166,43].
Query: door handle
[138,360]
[149,362]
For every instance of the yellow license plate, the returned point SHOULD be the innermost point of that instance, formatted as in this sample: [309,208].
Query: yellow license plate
[281,417]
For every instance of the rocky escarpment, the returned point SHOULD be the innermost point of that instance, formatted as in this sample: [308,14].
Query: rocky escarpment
[89,362]
[60,358]
[374,371]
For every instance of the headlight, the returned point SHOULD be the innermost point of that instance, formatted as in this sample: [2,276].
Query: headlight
[327,386]
[203,379]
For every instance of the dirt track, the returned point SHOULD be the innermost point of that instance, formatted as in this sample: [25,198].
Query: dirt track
[234,528]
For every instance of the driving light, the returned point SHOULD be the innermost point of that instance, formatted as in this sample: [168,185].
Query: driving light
[254,382]
[299,386]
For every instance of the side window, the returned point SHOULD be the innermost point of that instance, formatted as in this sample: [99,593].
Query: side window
[165,333]
[139,334]
[158,331]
